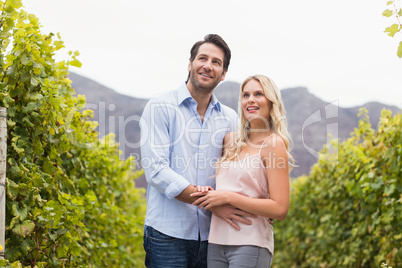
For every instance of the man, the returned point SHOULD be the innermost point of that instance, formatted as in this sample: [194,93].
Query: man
[181,135]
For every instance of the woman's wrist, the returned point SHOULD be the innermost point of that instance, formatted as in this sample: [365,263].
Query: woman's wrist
[229,198]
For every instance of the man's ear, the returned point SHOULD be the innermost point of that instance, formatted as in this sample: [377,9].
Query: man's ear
[223,76]
[189,66]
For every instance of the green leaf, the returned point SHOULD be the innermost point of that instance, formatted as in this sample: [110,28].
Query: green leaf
[11,71]
[26,245]
[21,212]
[75,63]
[10,123]
[18,149]
[16,264]
[392,30]
[11,111]
[15,3]
[91,196]
[41,264]
[27,120]
[8,101]
[399,52]
[59,44]
[387,13]
[34,81]
[33,19]
[376,185]
[24,229]
[25,76]
[26,60]
[390,189]
[52,235]
[14,221]
[31,107]
[3,86]
[386,218]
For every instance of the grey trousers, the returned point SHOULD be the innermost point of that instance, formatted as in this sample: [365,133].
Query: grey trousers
[220,256]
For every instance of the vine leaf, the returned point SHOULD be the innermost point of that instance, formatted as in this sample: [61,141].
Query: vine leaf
[399,52]
[24,229]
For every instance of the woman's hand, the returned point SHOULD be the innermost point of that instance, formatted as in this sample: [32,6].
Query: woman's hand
[203,189]
[211,198]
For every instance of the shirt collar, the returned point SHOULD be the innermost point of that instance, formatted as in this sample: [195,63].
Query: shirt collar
[215,102]
[183,94]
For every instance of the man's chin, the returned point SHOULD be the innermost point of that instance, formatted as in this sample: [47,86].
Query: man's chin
[205,87]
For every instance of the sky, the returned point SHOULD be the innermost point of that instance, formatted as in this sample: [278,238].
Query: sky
[336,49]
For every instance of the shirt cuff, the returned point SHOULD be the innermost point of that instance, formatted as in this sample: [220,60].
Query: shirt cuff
[176,187]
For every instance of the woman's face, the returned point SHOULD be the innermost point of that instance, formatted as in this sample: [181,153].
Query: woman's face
[255,106]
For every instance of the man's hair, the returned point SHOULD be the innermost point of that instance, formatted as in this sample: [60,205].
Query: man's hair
[217,41]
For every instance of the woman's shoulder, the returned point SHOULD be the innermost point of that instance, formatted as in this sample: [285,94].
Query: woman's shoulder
[273,143]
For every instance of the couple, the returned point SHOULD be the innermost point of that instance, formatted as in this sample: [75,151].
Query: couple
[191,141]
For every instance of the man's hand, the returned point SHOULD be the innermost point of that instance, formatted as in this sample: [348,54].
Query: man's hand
[184,196]
[232,215]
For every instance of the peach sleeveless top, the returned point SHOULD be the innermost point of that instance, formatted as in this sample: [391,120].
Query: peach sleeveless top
[247,177]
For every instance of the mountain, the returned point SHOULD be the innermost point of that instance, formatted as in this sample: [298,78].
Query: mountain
[310,119]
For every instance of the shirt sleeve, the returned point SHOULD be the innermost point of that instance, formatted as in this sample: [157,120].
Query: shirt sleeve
[155,149]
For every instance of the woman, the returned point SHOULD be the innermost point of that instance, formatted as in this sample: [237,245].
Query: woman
[252,175]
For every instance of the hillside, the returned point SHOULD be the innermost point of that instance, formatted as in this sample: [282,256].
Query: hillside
[310,118]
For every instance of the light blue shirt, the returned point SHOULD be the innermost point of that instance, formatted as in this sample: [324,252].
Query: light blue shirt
[178,150]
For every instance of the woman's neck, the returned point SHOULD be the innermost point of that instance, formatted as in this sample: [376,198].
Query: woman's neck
[258,129]
[256,135]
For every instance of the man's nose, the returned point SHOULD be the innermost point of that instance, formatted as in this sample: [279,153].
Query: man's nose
[208,65]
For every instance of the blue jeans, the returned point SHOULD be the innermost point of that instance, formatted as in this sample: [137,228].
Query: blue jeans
[163,251]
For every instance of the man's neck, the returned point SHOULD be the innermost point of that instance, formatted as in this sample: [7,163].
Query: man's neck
[202,98]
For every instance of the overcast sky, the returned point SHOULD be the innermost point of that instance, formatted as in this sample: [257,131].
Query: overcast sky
[337,49]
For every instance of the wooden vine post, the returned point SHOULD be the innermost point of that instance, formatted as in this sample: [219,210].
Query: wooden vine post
[3,156]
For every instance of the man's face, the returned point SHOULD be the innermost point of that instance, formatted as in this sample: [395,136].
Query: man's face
[206,70]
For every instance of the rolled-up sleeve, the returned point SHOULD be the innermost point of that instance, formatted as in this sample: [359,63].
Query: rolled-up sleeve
[155,150]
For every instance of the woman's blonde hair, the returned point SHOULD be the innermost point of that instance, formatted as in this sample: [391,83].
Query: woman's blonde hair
[276,122]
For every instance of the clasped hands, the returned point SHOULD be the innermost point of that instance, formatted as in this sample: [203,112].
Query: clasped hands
[217,203]
[208,197]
